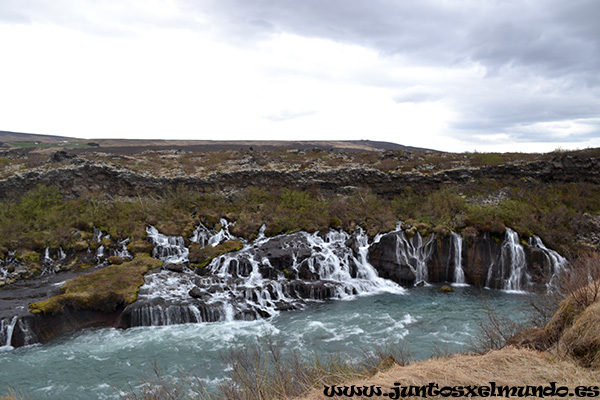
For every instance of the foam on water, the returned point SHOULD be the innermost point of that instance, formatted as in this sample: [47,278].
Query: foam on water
[81,365]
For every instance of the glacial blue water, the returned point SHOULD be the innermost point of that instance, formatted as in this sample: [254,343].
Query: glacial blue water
[96,363]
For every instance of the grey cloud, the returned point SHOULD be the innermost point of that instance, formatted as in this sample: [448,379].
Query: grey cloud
[520,45]
[552,43]
[548,34]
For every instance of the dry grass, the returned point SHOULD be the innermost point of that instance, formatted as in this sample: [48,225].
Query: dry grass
[509,366]
[582,340]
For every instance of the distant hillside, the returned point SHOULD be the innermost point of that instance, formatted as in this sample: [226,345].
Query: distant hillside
[11,137]
[15,139]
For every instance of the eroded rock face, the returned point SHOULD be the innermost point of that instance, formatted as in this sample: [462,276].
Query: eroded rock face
[75,180]
[486,261]
[383,256]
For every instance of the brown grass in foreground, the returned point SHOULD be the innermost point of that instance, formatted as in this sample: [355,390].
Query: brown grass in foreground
[509,366]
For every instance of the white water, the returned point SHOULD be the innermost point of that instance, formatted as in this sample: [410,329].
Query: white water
[244,284]
[414,253]
[513,265]
[170,249]
[6,332]
[456,243]
[555,260]
[90,364]
[204,236]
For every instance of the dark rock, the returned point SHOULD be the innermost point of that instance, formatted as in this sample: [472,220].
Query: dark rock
[112,179]
[382,256]
[174,267]
[196,293]
[61,155]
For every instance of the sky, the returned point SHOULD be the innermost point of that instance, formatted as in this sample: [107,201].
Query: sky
[464,75]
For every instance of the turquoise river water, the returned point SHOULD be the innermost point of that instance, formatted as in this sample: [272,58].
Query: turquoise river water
[96,363]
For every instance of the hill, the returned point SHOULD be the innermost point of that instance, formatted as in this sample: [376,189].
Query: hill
[129,146]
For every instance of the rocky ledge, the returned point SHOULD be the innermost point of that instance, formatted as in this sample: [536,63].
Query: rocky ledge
[83,176]
[214,276]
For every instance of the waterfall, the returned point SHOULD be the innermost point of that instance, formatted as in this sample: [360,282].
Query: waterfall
[9,259]
[170,249]
[513,262]
[456,243]
[100,253]
[6,331]
[154,315]
[414,253]
[203,236]
[555,260]
[121,250]
[99,235]
[265,277]
[47,257]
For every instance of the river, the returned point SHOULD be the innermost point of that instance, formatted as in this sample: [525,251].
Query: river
[97,363]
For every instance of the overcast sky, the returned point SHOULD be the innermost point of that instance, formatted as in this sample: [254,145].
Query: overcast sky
[464,75]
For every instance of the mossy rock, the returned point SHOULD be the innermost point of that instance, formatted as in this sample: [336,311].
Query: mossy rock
[441,231]
[115,260]
[335,223]
[202,256]
[446,289]
[140,246]
[102,290]
[34,269]
[80,246]
[29,256]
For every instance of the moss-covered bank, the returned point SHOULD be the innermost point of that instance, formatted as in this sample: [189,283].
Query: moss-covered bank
[102,290]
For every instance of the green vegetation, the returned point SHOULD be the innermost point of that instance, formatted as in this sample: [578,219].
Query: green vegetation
[102,290]
[41,217]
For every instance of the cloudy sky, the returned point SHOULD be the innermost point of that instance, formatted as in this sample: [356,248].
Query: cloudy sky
[464,75]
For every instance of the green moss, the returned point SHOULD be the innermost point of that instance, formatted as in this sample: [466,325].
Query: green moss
[139,246]
[29,256]
[203,256]
[103,290]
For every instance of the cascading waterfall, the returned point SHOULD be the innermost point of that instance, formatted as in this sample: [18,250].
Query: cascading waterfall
[100,251]
[121,250]
[170,249]
[555,260]
[514,264]
[8,260]
[47,257]
[7,327]
[204,236]
[456,243]
[263,278]
[414,253]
